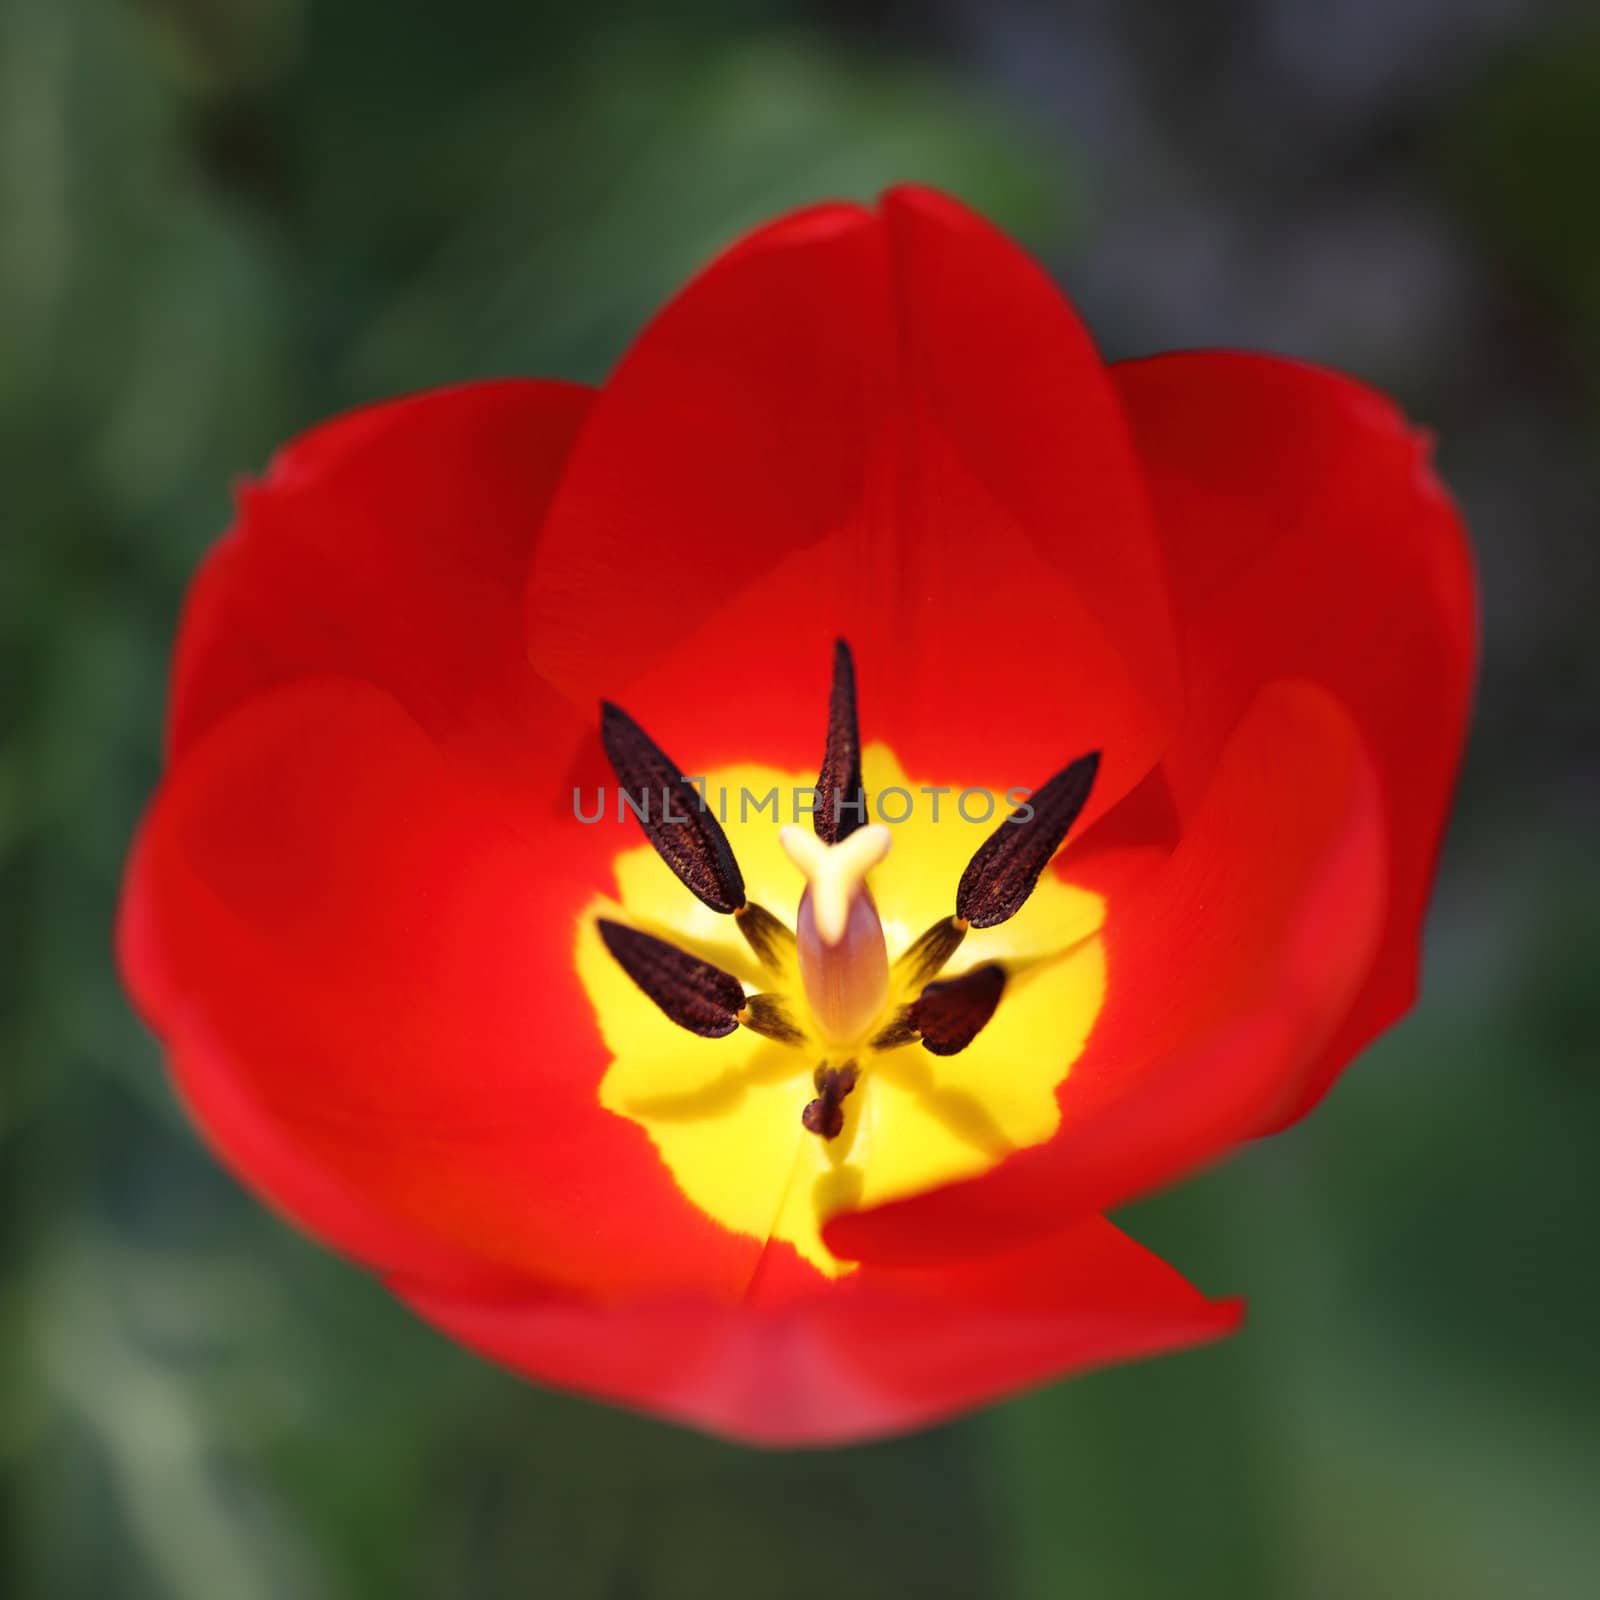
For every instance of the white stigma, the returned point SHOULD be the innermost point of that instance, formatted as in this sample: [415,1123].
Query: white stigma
[836,873]
[844,963]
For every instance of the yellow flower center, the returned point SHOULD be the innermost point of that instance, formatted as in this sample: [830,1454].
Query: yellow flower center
[724,1113]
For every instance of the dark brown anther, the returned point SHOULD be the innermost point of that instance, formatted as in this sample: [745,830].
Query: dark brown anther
[951,1014]
[767,1015]
[771,940]
[685,833]
[824,1116]
[696,995]
[1002,875]
[841,801]
[925,958]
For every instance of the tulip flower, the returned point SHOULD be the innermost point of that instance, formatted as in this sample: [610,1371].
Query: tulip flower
[714,886]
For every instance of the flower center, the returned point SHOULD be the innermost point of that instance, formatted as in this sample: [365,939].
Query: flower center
[884,1047]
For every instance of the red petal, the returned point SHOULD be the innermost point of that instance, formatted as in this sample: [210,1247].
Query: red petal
[1226,974]
[881,1352]
[1306,535]
[889,427]
[361,958]
[389,545]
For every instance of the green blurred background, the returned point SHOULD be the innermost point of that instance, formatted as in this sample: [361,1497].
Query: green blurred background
[223,219]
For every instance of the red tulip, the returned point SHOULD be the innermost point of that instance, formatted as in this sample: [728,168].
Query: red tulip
[571,1086]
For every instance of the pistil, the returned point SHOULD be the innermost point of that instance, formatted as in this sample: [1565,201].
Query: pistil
[844,962]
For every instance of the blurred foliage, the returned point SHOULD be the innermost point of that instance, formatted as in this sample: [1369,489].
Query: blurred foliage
[222,219]
[1523,150]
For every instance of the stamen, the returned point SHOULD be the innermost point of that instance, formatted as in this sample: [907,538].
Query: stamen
[767,1015]
[1002,874]
[771,940]
[925,959]
[824,1116]
[841,801]
[693,993]
[684,832]
[951,1014]
[947,1016]
[898,1032]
